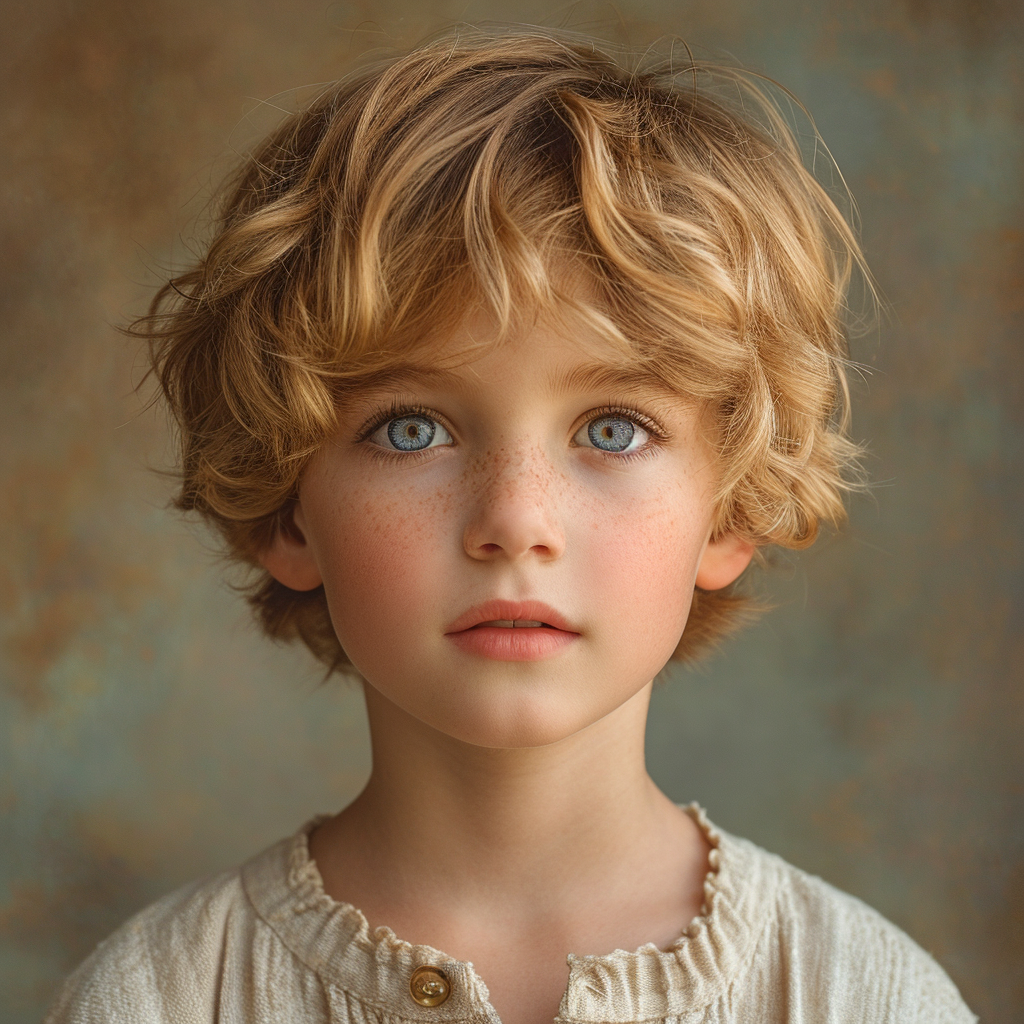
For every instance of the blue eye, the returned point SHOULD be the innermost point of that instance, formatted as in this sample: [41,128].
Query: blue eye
[616,434]
[410,433]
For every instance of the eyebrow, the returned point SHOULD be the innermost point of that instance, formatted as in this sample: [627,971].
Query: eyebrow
[606,376]
[596,376]
[406,374]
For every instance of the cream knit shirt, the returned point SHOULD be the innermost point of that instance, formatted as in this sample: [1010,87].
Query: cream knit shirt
[265,943]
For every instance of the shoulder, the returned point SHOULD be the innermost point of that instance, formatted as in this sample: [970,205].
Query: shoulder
[842,960]
[162,958]
[186,959]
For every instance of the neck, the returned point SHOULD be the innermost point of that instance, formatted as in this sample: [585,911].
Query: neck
[452,805]
[484,823]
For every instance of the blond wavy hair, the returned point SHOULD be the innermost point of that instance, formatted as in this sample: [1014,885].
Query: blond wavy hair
[475,170]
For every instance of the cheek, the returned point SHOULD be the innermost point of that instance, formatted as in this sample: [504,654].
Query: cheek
[643,564]
[378,555]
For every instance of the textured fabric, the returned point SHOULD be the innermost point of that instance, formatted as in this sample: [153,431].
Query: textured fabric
[266,943]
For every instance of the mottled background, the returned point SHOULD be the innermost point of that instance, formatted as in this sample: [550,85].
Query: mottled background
[869,729]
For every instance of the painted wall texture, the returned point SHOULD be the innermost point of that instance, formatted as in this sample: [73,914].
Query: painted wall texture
[869,729]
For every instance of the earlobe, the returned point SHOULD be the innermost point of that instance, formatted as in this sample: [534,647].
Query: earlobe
[723,561]
[289,558]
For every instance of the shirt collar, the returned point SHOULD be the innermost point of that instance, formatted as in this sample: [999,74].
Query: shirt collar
[334,940]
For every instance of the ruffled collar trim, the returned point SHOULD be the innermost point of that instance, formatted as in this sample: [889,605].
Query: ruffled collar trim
[334,940]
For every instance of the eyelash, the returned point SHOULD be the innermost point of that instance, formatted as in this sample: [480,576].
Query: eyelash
[383,415]
[657,436]
[395,410]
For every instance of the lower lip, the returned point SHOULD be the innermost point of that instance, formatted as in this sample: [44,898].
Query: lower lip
[529,643]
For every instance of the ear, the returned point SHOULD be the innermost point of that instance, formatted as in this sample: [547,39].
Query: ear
[289,558]
[724,559]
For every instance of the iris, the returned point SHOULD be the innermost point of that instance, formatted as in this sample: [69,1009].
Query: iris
[411,433]
[611,433]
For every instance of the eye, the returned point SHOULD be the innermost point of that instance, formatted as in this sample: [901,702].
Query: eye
[412,432]
[612,433]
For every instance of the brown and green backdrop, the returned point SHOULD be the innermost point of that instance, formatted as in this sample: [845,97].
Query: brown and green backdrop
[869,729]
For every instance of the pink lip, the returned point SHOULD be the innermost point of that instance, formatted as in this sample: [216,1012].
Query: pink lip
[530,643]
[491,611]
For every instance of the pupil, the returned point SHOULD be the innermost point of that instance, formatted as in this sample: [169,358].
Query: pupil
[611,433]
[411,433]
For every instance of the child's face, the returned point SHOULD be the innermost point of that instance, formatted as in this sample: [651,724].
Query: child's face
[521,476]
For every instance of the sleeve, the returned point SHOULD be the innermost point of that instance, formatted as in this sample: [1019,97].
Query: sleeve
[850,964]
[929,995]
[162,967]
[116,984]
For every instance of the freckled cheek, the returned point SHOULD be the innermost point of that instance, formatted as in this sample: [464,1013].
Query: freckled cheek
[644,567]
[383,558]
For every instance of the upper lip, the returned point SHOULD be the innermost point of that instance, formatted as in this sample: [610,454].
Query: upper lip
[489,611]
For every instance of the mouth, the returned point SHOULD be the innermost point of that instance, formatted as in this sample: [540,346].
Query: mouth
[513,624]
[512,631]
[511,615]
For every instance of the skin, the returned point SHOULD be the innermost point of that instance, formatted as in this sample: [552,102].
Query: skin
[509,818]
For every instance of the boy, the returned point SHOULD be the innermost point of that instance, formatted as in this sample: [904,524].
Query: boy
[503,362]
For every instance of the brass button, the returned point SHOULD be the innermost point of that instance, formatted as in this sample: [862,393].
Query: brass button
[429,986]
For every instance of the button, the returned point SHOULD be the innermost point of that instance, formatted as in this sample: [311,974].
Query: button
[429,986]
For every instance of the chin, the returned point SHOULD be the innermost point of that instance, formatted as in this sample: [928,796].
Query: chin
[521,721]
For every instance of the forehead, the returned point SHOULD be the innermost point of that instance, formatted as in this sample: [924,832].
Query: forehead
[508,365]
[557,359]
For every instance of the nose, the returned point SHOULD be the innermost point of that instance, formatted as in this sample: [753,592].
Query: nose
[514,512]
